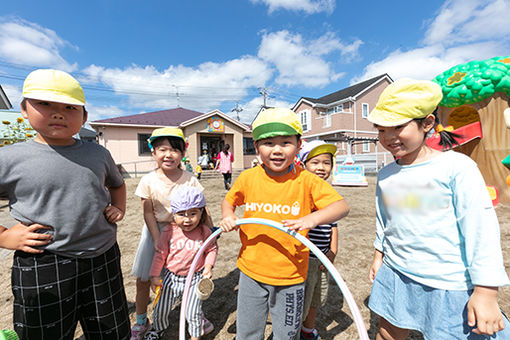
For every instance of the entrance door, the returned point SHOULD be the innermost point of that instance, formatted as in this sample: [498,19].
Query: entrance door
[212,144]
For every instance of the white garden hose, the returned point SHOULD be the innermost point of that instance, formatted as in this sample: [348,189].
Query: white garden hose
[362,331]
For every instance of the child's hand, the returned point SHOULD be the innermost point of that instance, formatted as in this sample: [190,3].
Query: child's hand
[21,237]
[207,273]
[376,265]
[303,223]
[113,214]
[155,282]
[228,223]
[483,311]
[331,257]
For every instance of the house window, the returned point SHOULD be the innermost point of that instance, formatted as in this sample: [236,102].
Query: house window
[340,108]
[143,147]
[327,120]
[305,120]
[366,146]
[364,110]
[249,146]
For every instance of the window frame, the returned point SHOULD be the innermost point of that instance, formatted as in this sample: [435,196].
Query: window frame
[143,147]
[364,114]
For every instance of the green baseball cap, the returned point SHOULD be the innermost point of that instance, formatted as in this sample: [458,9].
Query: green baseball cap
[276,122]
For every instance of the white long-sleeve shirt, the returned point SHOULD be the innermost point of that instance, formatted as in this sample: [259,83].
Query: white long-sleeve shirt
[436,223]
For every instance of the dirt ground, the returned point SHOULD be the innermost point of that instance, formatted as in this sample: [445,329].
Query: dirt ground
[334,321]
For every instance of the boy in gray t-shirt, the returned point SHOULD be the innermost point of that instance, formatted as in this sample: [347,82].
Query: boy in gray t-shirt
[67,196]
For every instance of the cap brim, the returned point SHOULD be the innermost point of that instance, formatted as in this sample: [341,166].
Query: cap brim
[166,135]
[387,118]
[318,150]
[54,97]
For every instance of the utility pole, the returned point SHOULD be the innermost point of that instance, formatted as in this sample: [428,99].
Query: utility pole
[263,92]
[237,109]
[177,95]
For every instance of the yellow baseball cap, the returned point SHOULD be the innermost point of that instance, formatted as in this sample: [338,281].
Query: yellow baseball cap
[165,132]
[405,100]
[313,148]
[54,86]
[276,122]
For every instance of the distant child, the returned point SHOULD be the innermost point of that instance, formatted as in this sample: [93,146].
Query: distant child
[66,196]
[204,160]
[274,265]
[189,168]
[168,148]
[178,244]
[198,171]
[437,264]
[317,157]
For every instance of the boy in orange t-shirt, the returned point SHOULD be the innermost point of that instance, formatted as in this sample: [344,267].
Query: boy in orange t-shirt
[273,264]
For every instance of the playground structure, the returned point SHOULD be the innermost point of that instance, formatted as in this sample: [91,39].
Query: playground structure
[475,95]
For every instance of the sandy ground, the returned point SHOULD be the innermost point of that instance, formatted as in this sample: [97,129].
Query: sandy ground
[334,320]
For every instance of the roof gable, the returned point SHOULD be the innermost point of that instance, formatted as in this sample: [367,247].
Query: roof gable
[348,92]
[172,117]
[218,113]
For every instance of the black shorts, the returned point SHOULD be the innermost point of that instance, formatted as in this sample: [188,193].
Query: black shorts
[52,293]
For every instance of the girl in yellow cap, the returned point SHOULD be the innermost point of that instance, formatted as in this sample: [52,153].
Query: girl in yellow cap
[437,264]
[168,148]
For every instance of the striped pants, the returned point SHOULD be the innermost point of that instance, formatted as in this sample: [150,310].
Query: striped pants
[171,290]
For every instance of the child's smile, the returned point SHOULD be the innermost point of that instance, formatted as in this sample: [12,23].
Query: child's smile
[278,153]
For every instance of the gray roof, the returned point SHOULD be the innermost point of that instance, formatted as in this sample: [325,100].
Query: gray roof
[5,104]
[351,91]
[172,117]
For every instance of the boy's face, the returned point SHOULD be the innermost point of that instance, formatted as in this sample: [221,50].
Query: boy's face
[55,123]
[278,153]
[320,165]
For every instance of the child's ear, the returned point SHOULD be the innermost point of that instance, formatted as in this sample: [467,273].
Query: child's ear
[428,122]
[85,115]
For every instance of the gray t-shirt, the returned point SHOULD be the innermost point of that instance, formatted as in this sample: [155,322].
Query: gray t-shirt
[64,187]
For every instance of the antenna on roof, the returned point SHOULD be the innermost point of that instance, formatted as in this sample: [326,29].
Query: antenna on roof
[177,95]
[237,109]
[263,91]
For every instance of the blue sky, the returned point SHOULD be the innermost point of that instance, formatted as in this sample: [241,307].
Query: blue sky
[142,56]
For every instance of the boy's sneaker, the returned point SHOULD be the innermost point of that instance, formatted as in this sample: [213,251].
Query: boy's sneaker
[152,335]
[207,326]
[138,331]
[314,335]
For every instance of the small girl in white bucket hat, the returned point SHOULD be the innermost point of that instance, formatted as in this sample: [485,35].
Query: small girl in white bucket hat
[178,244]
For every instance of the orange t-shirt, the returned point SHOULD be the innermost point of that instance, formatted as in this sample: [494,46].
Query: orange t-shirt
[268,255]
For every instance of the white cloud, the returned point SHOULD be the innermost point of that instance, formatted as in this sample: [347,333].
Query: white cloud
[307,6]
[23,42]
[463,30]
[102,112]
[301,62]
[468,21]
[202,88]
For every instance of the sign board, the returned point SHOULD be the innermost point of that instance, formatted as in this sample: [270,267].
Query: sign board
[349,175]
[215,124]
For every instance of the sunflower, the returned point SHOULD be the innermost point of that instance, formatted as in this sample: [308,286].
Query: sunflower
[20,120]
[6,122]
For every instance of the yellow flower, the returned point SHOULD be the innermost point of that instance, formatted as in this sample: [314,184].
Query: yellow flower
[6,142]
[6,122]
[20,120]
[28,129]
[29,135]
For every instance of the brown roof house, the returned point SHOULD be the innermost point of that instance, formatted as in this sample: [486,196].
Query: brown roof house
[341,117]
[126,137]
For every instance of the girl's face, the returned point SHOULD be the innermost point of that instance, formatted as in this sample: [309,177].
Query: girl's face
[166,156]
[406,141]
[189,219]
[320,165]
